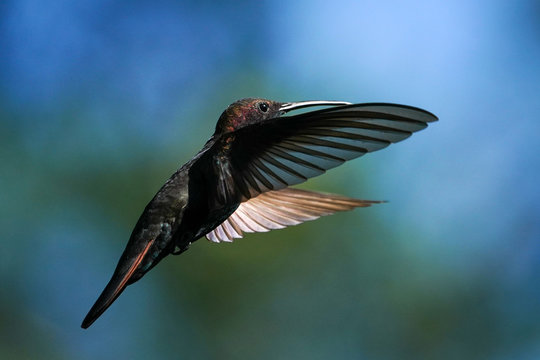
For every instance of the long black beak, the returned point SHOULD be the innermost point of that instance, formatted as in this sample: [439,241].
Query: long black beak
[303,104]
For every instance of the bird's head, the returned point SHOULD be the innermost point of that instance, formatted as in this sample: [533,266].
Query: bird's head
[250,111]
[245,112]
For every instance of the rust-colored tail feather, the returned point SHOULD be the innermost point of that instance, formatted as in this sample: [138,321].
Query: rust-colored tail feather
[117,284]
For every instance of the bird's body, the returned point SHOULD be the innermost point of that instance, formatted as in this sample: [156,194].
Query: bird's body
[239,182]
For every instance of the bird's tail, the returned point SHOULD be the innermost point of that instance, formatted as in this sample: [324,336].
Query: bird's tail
[127,271]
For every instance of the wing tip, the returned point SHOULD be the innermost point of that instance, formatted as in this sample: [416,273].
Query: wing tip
[428,116]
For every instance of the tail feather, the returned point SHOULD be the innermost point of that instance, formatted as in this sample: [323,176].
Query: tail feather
[120,280]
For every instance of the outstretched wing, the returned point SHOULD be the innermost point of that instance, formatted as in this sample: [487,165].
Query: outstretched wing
[288,150]
[279,209]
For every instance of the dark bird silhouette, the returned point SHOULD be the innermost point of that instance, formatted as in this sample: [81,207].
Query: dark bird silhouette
[239,181]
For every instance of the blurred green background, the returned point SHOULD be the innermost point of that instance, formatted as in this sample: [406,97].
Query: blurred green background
[101,101]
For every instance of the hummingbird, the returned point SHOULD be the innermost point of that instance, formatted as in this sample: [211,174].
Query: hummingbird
[240,181]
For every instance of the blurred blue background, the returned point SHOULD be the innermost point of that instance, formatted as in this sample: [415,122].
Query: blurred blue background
[101,101]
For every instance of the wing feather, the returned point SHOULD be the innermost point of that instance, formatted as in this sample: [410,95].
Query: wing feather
[288,150]
[278,209]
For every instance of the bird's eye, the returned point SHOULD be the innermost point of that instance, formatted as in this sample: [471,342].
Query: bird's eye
[263,106]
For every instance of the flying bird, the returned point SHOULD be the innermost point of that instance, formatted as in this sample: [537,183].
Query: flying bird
[240,181]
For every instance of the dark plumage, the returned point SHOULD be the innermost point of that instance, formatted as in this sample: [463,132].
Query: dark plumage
[239,182]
